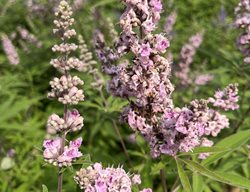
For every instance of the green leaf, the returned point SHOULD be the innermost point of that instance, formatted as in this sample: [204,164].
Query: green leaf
[183,177]
[157,167]
[233,142]
[198,184]
[45,189]
[13,109]
[221,177]
[199,150]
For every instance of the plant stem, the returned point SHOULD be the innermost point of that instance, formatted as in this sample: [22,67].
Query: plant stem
[163,180]
[122,142]
[60,173]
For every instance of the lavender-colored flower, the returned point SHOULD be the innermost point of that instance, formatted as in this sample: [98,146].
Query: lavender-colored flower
[203,79]
[186,58]
[28,37]
[146,190]
[73,122]
[96,178]
[242,22]
[67,90]
[205,143]
[145,83]
[10,50]
[171,19]
[226,99]
[52,153]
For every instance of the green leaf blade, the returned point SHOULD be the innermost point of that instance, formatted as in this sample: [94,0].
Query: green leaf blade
[183,177]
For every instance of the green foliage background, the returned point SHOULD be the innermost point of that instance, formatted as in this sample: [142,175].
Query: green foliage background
[24,108]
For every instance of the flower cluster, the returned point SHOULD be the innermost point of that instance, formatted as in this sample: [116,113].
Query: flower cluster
[226,99]
[96,178]
[145,84]
[28,37]
[66,90]
[203,79]
[186,58]
[53,152]
[74,122]
[10,50]
[242,22]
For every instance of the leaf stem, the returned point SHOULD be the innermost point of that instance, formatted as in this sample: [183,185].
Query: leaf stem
[163,180]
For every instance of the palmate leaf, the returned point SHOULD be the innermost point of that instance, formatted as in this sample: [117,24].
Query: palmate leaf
[233,142]
[183,176]
[234,180]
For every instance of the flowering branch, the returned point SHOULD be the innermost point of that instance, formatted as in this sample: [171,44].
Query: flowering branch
[145,83]
[66,90]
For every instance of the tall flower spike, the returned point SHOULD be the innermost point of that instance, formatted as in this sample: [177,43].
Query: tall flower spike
[145,83]
[171,20]
[67,90]
[186,58]
[242,22]
[10,50]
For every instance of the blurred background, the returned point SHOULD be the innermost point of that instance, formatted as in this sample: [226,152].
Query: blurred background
[26,26]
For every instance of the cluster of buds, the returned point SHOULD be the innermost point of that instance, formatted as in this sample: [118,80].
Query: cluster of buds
[66,90]
[89,64]
[97,178]
[145,83]
[10,50]
[186,58]
[242,22]
[54,154]
[74,122]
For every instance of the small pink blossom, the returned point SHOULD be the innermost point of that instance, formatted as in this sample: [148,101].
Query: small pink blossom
[145,50]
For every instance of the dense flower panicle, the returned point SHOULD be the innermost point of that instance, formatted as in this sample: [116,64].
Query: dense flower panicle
[186,58]
[145,83]
[10,50]
[96,178]
[171,19]
[226,99]
[73,122]
[242,22]
[53,155]
[28,37]
[203,79]
[67,90]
